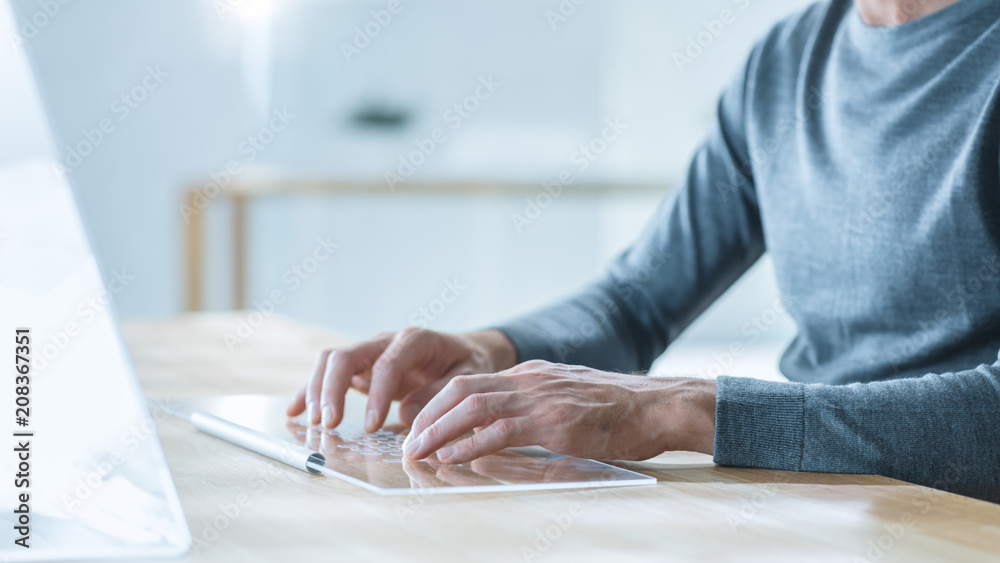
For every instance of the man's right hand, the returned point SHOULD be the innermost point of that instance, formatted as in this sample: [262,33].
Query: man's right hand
[410,366]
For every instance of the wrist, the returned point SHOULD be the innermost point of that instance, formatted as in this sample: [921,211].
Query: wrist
[497,353]
[687,415]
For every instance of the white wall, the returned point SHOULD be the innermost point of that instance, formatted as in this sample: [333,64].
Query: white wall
[609,59]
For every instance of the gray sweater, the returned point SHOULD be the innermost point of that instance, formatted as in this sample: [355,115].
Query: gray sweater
[867,162]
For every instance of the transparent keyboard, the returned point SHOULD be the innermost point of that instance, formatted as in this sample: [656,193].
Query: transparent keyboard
[375,462]
[384,445]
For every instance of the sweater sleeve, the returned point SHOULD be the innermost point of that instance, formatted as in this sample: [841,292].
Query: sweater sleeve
[939,430]
[701,239]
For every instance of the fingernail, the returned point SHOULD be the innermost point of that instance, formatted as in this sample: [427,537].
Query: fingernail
[327,416]
[446,452]
[413,446]
[409,413]
[370,420]
[313,413]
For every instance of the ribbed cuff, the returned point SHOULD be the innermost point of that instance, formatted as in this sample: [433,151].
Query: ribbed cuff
[759,423]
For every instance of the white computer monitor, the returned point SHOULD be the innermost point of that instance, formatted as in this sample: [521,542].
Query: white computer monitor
[93,479]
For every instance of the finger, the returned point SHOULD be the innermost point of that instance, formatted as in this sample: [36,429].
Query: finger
[455,392]
[478,409]
[298,405]
[464,476]
[510,467]
[504,433]
[421,474]
[312,438]
[411,404]
[306,399]
[409,349]
[361,383]
[341,366]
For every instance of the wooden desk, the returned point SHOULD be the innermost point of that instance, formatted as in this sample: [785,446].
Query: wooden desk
[697,511]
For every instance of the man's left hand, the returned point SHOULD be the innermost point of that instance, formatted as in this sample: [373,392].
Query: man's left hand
[570,410]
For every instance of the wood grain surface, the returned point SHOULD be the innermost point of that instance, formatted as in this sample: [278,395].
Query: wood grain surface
[243,507]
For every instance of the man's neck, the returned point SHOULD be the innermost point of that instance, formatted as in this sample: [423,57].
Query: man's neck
[885,13]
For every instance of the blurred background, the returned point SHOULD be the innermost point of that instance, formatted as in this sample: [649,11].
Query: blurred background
[363,159]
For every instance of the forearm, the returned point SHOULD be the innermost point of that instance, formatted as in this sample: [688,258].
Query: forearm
[938,430]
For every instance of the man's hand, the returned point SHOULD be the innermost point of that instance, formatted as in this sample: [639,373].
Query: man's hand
[411,366]
[569,410]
